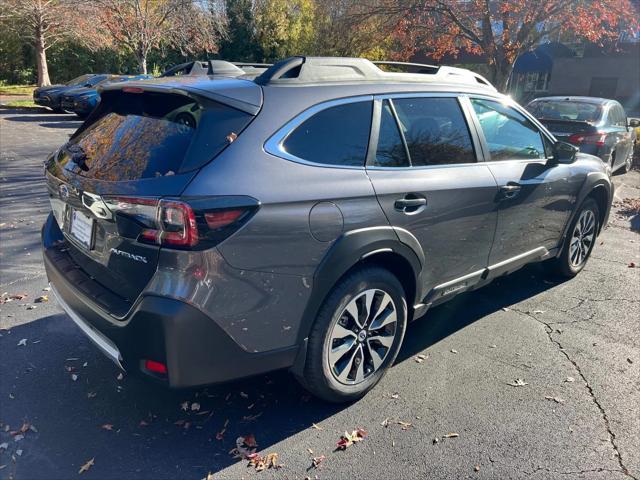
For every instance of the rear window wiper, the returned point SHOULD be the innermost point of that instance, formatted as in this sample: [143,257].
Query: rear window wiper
[77,154]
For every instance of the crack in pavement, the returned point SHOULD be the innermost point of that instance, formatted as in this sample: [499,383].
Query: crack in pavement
[575,472]
[612,436]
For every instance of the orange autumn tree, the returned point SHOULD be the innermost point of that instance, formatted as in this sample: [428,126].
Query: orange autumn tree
[500,30]
[140,26]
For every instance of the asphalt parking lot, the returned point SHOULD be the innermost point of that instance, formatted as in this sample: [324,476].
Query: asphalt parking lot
[525,378]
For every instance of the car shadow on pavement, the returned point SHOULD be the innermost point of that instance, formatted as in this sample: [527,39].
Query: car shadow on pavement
[62,120]
[57,381]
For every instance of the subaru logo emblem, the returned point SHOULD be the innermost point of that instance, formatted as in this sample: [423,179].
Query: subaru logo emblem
[64,192]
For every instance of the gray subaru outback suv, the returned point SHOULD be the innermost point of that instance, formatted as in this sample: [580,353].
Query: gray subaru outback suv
[208,229]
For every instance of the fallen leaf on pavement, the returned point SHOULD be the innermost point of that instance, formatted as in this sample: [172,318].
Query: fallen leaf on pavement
[453,350]
[555,399]
[349,439]
[23,429]
[268,461]
[18,296]
[87,466]
[420,358]
[245,447]
[316,461]
[220,434]
[570,379]
[251,418]
[476,468]
[518,383]
[385,423]
[404,425]
[629,361]
[41,299]
[632,265]
[209,476]
[451,435]
[316,426]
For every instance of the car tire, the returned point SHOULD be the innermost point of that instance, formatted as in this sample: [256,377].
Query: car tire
[58,110]
[579,243]
[340,364]
[626,166]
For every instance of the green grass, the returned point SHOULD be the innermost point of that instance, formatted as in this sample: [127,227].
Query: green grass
[17,89]
[21,104]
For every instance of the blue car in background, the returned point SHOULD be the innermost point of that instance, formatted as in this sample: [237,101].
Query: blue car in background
[83,99]
[50,96]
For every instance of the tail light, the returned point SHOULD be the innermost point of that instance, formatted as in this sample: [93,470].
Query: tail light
[198,224]
[598,138]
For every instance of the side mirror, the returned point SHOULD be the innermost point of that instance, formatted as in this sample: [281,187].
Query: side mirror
[564,152]
[634,122]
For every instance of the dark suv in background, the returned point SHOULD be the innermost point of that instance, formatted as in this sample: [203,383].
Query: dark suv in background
[595,125]
[206,229]
[51,96]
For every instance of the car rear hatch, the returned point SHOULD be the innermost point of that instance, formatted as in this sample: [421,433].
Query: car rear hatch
[563,129]
[135,153]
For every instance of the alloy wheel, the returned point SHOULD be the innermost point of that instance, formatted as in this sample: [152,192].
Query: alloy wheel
[362,337]
[582,239]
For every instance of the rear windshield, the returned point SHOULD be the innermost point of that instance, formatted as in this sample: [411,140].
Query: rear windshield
[146,135]
[566,110]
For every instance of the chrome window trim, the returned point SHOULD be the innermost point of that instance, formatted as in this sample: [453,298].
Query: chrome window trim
[275,144]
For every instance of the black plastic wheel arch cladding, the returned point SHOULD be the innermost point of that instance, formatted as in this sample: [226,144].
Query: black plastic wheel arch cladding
[349,250]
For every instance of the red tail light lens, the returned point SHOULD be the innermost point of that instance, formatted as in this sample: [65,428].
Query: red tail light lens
[178,224]
[597,138]
[222,218]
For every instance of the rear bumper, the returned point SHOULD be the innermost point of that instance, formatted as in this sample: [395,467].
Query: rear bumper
[192,345]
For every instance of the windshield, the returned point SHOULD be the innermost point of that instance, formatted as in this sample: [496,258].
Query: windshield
[566,110]
[81,80]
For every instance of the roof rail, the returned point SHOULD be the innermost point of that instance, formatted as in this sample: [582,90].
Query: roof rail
[306,70]
[411,67]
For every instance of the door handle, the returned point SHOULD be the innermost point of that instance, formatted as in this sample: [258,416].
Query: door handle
[410,203]
[510,190]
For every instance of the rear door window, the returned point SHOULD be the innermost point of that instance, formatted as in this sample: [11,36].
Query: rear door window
[146,135]
[337,135]
[435,131]
[508,133]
